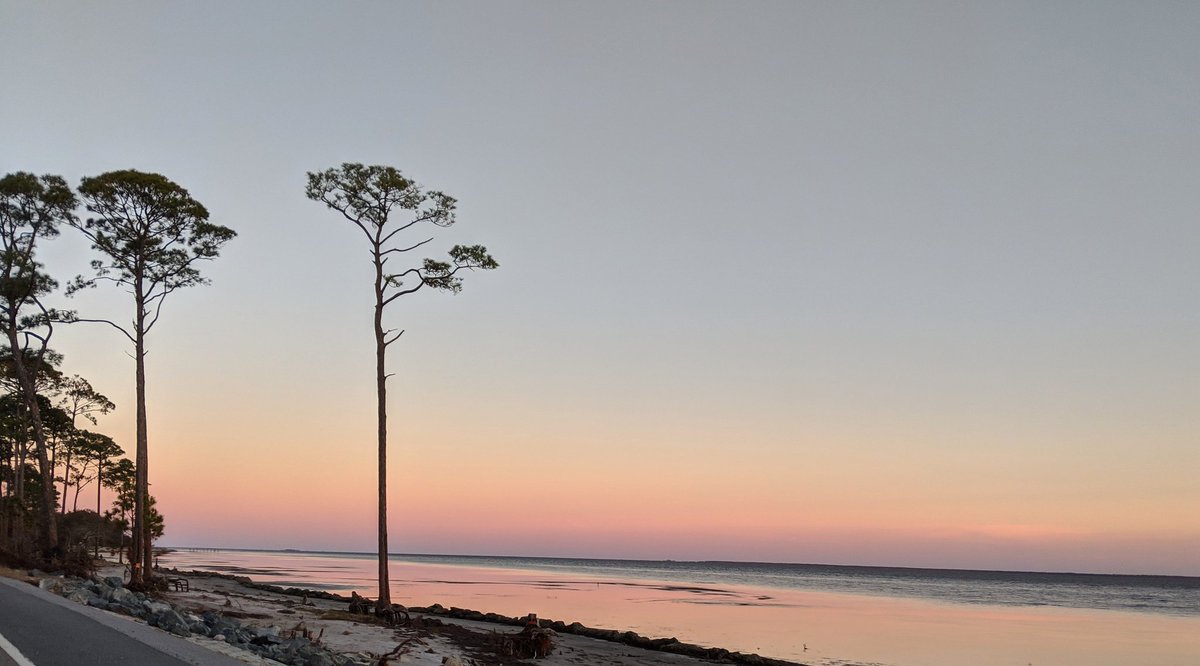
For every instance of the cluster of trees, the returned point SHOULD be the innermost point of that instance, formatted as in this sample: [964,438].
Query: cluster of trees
[78,458]
[149,234]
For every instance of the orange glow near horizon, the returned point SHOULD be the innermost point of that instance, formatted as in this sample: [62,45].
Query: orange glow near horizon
[469,493]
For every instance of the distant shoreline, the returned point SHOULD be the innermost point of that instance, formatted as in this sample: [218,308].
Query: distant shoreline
[965,574]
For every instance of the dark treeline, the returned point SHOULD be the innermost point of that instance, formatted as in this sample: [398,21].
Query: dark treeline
[149,234]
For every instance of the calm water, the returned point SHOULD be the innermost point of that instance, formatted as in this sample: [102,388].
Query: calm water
[828,615]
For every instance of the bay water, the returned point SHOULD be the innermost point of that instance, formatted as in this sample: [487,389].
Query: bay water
[814,614]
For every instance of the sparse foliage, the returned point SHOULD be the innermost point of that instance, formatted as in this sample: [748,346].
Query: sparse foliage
[382,203]
[152,236]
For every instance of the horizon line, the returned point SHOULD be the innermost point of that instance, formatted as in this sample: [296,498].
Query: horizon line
[673,561]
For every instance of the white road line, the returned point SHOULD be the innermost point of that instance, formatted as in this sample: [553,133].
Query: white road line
[13,653]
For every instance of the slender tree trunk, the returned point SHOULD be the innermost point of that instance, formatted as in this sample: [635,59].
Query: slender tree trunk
[49,534]
[75,500]
[66,481]
[18,507]
[140,556]
[20,472]
[385,591]
[99,485]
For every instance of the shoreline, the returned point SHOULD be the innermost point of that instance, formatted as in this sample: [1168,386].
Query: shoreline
[961,572]
[559,627]
[261,623]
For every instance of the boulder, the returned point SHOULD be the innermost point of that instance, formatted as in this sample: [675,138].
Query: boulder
[54,584]
[156,607]
[122,609]
[81,595]
[123,596]
[114,581]
[171,621]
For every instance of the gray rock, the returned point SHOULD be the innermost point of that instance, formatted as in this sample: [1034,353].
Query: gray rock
[226,626]
[80,595]
[170,621]
[120,595]
[319,659]
[296,643]
[157,607]
[122,609]
[97,602]
[114,581]
[54,584]
[271,631]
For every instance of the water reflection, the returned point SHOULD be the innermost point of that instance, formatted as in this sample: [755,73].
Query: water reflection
[814,626]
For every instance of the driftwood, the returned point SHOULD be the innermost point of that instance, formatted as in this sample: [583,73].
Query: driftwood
[301,631]
[393,615]
[397,652]
[532,642]
[360,605]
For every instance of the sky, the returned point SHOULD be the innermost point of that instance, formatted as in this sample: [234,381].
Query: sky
[907,283]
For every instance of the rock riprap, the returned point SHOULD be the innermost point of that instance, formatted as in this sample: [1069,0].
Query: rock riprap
[110,594]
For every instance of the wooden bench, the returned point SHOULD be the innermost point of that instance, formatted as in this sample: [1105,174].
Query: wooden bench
[180,584]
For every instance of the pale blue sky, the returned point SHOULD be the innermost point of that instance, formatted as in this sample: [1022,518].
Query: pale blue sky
[891,234]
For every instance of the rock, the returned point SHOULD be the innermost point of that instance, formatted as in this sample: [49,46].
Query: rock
[452,660]
[97,602]
[121,595]
[157,607]
[120,608]
[114,581]
[226,626]
[171,621]
[54,584]
[81,595]
[319,659]
[267,632]
[266,636]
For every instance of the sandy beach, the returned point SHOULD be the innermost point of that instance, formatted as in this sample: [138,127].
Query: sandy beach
[428,636]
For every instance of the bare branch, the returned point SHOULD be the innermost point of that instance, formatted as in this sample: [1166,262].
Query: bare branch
[402,227]
[113,324]
[406,249]
[358,223]
[398,294]
[161,297]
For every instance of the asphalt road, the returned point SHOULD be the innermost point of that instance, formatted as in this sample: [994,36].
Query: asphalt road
[47,630]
